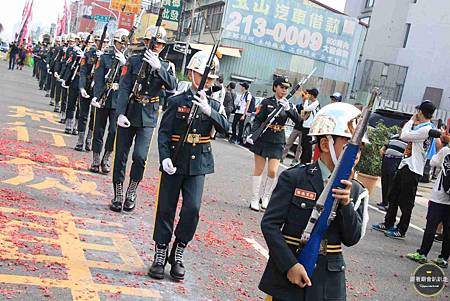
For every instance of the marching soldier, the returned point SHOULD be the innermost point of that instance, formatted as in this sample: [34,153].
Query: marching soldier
[57,70]
[269,147]
[137,119]
[56,55]
[43,61]
[187,172]
[290,208]
[109,64]
[87,63]
[36,50]
[73,91]
[73,40]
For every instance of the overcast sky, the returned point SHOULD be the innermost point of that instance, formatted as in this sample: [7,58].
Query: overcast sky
[46,12]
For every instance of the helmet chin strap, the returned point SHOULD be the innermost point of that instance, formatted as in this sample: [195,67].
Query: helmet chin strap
[332,152]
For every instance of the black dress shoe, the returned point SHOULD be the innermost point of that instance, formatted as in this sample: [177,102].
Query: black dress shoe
[94,168]
[79,147]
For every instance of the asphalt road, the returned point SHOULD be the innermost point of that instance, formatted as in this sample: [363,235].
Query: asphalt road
[59,240]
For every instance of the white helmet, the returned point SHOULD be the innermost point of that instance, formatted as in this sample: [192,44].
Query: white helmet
[152,30]
[336,119]
[71,37]
[121,35]
[98,36]
[198,64]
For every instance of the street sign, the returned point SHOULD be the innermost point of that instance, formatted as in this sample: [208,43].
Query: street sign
[100,18]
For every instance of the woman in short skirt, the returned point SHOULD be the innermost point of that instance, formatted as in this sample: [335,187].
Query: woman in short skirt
[269,146]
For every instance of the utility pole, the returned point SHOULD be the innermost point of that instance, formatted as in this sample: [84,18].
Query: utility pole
[188,39]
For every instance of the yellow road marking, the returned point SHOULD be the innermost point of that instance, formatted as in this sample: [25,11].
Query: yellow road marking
[77,267]
[25,171]
[22,132]
[58,139]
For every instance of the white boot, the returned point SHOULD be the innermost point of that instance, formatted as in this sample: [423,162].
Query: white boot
[270,185]
[256,184]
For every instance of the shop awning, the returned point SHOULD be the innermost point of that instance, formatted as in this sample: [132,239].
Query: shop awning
[228,51]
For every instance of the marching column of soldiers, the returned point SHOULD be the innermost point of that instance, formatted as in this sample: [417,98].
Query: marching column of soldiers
[100,88]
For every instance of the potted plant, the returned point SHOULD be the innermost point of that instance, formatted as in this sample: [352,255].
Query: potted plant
[369,166]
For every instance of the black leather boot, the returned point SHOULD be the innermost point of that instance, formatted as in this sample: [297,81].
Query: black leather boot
[130,197]
[159,262]
[88,143]
[106,162]
[116,203]
[177,270]
[95,167]
[79,145]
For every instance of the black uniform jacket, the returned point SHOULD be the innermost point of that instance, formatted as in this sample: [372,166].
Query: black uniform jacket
[141,115]
[193,159]
[265,108]
[282,225]
[86,66]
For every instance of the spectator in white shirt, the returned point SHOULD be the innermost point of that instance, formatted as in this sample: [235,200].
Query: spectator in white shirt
[416,133]
[310,108]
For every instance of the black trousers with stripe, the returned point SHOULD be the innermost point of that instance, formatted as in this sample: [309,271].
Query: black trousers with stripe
[142,137]
[191,188]
[102,117]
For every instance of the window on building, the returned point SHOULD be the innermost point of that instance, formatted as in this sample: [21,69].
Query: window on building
[385,70]
[214,16]
[365,20]
[370,3]
[408,28]
[398,92]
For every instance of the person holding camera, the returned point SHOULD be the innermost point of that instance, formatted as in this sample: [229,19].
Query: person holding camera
[416,133]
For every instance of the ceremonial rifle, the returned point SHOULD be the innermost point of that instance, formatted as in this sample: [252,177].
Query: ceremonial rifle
[76,63]
[324,211]
[140,83]
[90,77]
[275,113]
[194,109]
[112,74]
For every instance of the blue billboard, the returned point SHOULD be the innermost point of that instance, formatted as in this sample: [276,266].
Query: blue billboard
[299,27]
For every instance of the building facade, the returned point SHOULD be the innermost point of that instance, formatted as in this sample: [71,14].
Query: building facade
[258,64]
[405,50]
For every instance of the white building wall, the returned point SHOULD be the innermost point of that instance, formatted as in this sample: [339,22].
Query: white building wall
[427,51]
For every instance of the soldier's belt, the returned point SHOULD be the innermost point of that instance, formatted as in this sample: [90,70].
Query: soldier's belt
[192,139]
[325,248]
[276,127]
[146,100]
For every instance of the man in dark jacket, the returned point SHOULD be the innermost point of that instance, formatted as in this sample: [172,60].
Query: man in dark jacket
[13,51]
[230,97]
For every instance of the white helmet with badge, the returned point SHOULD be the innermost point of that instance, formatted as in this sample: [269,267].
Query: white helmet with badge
[160,33]
[121,35]
[198,64]
[336,119]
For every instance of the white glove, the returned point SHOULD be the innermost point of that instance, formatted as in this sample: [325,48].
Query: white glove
[94,103]
[168,167]
[84,93]
[64,48]
[99,53]
[153,59]
[48,66]
[249,140]
[123,121]
[115,86]
[56,75]
[80,53]
[202,102]
[76,48]
[63,84]
[285,103]
[120,57]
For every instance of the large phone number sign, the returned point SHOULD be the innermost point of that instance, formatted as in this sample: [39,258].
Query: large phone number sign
[296,26]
